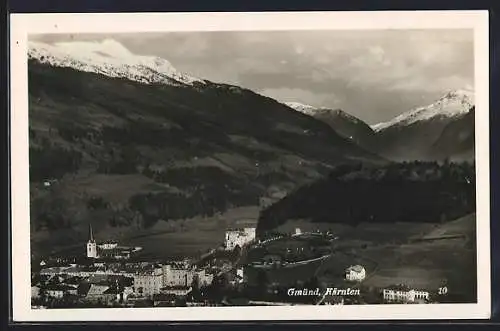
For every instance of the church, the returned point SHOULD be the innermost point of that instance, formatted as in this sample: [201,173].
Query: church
[108,249]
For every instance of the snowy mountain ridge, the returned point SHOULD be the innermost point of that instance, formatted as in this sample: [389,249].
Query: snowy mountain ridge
[306,109]
[109,58]
[318,111]
[452,104]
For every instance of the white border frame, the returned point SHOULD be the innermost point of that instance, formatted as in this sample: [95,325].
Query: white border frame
[23,24]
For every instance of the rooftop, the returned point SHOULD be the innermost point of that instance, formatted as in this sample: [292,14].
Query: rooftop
[356,268]
[97,289]
[398,287]
[171,288]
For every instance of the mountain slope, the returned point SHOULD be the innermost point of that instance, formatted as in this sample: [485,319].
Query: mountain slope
[125,150]
[457,139]
[453,104]
[411,134]
[346,125]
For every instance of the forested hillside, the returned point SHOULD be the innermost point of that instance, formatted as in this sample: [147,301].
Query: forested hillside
[397,192]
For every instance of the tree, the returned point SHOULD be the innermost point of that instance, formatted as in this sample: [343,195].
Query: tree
[195,288]
[262,281]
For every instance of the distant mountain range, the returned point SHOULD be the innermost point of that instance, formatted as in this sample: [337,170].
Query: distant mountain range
[452,105]
[345,124]
[413,135]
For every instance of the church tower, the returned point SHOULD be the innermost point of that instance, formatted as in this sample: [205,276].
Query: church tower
[91,245]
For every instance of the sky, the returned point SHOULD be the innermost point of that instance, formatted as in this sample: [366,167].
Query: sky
[374,75]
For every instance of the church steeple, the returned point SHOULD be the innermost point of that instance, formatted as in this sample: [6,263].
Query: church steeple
[91,234]
[91,245]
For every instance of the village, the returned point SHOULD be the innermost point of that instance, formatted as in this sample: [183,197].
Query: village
[244,271]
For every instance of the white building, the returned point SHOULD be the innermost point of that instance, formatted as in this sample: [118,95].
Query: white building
[56,291]
[239,237]
[403,294]
[355,273]
[91,245]
[240,274]
[108,245]
[298,231]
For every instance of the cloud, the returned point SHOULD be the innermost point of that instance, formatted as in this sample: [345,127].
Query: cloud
[373,74]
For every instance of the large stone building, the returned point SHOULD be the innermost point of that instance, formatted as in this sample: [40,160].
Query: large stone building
[239,237]
[177,274]
[149,281]
[180,274]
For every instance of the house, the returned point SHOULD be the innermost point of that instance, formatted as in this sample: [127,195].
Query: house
[59,291]
[136,300]
[35,292]
[355,273]
[73,281]
[101,294]
[240,275]
[98,279]
[164,299]
[179,291]
[402,293]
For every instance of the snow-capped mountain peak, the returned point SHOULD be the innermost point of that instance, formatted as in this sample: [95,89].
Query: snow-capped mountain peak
[109,58]
[318,111]
[452,104]
[306,109]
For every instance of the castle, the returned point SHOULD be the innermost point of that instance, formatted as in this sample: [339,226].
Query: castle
[239,237]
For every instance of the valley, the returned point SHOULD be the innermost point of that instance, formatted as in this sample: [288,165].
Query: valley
[145,157]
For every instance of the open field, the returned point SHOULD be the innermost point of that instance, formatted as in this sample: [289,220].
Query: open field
[166,239]
[430,265]
[365,232]
[390,255]
[284,276]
